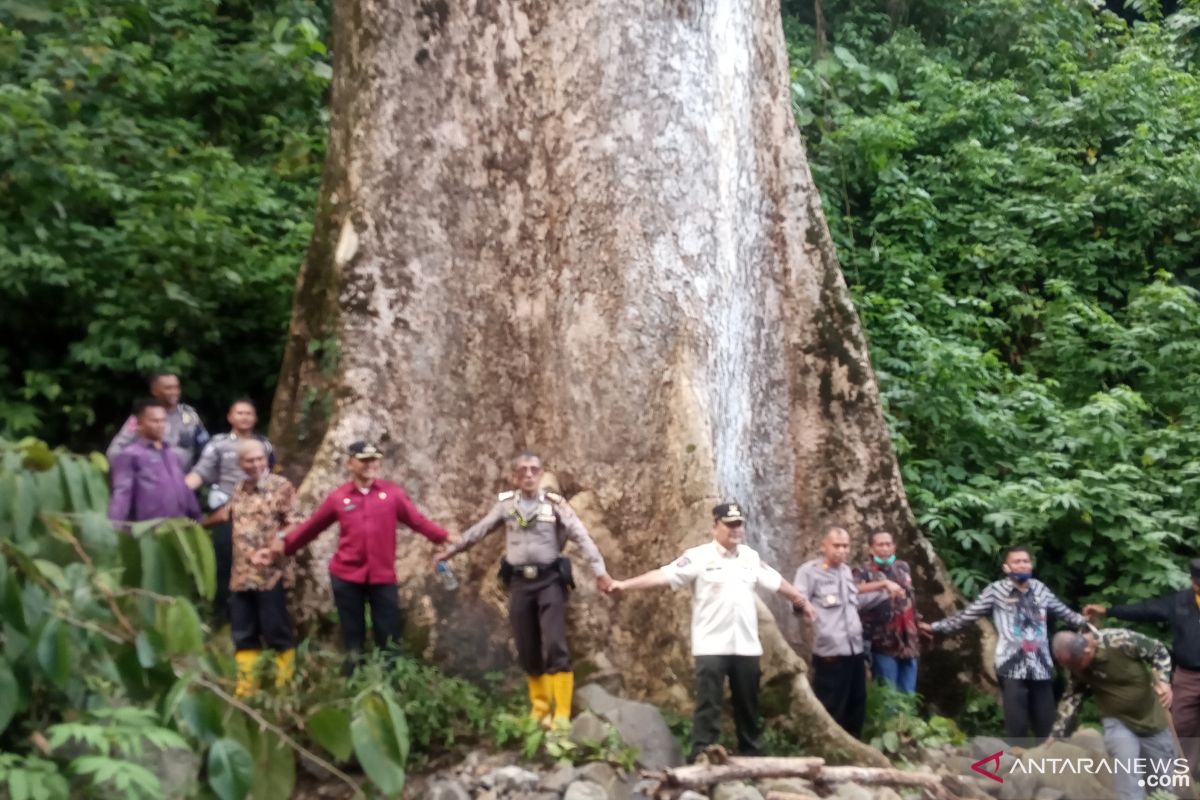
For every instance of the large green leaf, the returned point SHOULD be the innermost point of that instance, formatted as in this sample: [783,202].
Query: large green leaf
[162,568]
[181,625]
[195,549]
[201,712]
[72,478]
[230,769]
[330,728]
[10,695]
[54,652]
[380,735]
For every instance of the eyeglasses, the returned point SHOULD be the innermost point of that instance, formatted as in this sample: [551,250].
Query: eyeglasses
[532,470]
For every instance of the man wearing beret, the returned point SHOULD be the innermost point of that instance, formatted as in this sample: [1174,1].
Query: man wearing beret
[725,644]
[536,525]
[1181,610]
[363,570]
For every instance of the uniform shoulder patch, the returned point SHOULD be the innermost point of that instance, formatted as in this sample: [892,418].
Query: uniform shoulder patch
[506,495]
[683,562]
[557,499]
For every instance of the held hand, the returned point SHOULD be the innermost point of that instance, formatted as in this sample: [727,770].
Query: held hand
[1163,690]
[806,610]
[1094,612]
[895,589]
[440,554]
[262,557]
[605,583]
[616,586]
[277,548]
[925,629]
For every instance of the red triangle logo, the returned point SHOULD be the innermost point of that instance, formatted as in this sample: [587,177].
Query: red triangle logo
[994,772]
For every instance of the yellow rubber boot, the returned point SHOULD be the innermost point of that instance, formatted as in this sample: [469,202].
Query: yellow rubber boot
[539,696]
[563,684]
[247,683]
[285,668]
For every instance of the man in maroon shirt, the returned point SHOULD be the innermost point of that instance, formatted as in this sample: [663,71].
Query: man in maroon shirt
[363,570]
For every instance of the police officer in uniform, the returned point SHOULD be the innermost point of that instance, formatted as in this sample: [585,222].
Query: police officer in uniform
[219,468]
[186,434]
[536,525]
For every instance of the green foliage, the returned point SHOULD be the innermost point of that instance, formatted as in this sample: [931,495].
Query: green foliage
[896,726]
[159,163]
[1014,191]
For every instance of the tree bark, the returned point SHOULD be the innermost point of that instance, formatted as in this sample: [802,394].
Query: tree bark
[585,227]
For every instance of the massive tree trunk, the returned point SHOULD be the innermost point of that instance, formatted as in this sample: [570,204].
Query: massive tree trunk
[585,227]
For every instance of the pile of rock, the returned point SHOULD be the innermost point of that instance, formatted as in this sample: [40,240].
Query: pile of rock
[503,776]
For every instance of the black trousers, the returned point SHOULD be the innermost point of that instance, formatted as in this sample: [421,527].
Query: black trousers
[537,609]
[222,540]
[840,683]
[743,675]
[387,621]
[1029,708]
[260,618]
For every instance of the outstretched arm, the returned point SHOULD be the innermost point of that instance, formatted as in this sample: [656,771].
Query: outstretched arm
[799,601]
[476,532]
[653,579]
[978,609]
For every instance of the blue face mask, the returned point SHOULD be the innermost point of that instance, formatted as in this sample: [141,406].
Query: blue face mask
[1020,577]
[885,562]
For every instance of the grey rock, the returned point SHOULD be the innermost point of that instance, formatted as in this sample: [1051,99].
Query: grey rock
[534,796]
[585,790]
[559,778]
[447,790]
[1046,793]
[607,778]
[1089,739]
[789,785]
[1076,783]
[736,791]
[984,746]
[852,791]
[587,727]
[640,725]
[690,795]
[886,793]
[510,779]
[643,789]
[178,771]
[1018,786]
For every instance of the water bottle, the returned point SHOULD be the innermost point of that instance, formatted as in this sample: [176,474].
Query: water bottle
[447,575]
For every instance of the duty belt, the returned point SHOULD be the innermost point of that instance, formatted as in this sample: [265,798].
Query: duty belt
[531,572]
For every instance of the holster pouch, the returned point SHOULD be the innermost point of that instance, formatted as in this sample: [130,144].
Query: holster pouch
[564,572]
[506,572]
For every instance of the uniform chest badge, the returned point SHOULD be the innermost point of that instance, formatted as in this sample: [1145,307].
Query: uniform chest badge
[383,495]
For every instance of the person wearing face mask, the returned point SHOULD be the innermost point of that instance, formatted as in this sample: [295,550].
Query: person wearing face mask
[725,575]
[890,628]
[1019,606]
[839,670]
[262,505]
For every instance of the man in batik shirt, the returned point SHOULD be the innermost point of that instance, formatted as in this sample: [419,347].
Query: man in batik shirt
[263,505]
[891,627]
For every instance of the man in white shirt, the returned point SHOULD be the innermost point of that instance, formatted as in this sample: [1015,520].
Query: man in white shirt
[724,624]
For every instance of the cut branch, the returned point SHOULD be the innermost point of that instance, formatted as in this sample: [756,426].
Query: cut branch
[699,776]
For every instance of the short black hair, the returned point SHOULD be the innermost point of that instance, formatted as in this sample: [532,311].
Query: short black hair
[139,408]
[525,455]
[1016,548]
[162,373]
[237,401]
[830,528]
[873,534]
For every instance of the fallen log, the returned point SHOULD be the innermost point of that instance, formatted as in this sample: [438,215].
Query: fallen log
[700,776]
